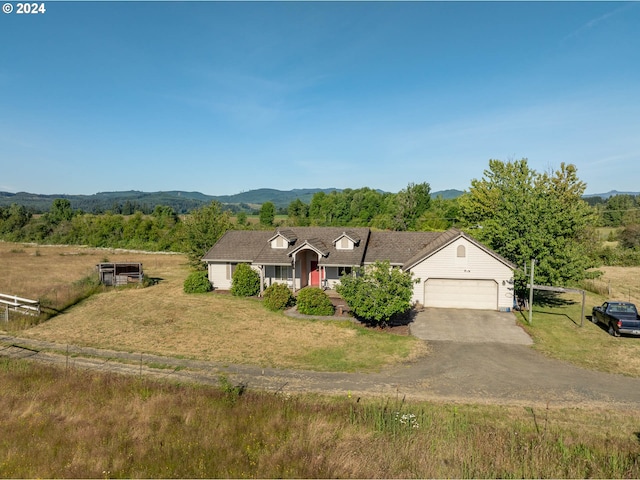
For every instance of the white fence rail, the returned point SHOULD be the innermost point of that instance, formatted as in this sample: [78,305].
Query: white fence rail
[19,305]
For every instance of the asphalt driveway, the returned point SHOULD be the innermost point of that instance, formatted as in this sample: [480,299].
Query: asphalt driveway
[468,326]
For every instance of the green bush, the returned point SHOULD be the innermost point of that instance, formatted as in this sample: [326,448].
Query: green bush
[378,294]
[313,301]
[197,282]
[278,297]
[245,281]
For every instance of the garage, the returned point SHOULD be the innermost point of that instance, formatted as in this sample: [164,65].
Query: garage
[461,293]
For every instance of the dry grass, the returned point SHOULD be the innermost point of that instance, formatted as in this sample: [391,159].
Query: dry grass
[162,319]
[89,425]
[625,283]
[37,271]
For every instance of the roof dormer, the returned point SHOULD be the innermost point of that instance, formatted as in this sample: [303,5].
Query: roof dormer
[347,241]
[283,239]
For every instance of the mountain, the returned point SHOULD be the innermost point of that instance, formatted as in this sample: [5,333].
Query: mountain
[611,193]
[447,194]
[279,198]
[182,202]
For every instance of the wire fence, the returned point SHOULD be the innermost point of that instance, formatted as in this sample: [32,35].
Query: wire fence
[614,290]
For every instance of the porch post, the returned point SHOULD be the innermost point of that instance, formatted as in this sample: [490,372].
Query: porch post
[261,280]
[293,273]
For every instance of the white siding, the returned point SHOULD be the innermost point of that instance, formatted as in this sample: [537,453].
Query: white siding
[218,275]
[475,265]
[279,242]
[344,244]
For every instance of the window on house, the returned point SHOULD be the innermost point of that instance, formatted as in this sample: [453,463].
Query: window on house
[282,272]
[231,267]
[345,271]
[461,252]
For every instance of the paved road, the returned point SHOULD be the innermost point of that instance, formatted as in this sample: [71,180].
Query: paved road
[496,373]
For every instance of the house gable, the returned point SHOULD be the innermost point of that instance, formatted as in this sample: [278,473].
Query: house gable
[348,240]
[283,239]
[447,238]
[466,268]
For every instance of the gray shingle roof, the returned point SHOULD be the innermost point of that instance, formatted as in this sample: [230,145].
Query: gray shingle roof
[238,246]
[399,248]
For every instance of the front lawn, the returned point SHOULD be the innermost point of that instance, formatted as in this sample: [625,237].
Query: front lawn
[164,320]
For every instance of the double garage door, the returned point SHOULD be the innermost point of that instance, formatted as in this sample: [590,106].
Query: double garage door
[458,293]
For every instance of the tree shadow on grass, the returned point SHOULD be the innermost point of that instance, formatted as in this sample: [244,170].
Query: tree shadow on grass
[542,298]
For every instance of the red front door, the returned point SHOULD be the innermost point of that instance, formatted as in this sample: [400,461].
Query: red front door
[315,274]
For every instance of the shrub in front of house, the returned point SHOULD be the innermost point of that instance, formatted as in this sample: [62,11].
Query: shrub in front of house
[314,301]
[197,282]
[245,281]
[278,297]
[378,294]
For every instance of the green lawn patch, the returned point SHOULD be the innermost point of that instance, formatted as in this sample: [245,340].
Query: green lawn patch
[557,332]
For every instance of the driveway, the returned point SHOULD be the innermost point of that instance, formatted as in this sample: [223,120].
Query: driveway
[468,326]
[487,372]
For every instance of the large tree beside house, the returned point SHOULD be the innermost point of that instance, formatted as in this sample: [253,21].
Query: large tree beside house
[203,228]
[522,214]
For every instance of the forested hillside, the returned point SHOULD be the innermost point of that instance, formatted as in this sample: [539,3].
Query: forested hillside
[128,202]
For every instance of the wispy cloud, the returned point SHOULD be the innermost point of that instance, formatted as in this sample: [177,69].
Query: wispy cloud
[598,20]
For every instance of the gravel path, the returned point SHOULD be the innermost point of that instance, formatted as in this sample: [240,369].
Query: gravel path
[453,372]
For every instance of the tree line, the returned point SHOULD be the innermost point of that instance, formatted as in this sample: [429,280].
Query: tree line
[514,210]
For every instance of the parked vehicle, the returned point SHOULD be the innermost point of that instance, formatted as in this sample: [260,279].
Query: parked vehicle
[618,317]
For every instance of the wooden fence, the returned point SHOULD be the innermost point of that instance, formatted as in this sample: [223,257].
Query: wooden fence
[24,306]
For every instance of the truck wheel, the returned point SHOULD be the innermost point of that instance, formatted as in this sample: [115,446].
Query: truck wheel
[613,332]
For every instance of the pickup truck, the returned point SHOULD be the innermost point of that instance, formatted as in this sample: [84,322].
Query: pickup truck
[618,317]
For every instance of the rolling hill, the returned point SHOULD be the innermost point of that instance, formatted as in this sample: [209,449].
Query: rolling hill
[180,201]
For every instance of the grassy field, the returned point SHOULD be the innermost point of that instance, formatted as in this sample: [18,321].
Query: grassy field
[79,424]
[162,319]
[624,283]
[557,332]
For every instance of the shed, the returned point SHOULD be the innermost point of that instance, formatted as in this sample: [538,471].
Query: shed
[116,274]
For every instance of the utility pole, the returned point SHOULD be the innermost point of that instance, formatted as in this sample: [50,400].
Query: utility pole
[533,262]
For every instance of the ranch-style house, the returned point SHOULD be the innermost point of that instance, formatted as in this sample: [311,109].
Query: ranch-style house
[455,271]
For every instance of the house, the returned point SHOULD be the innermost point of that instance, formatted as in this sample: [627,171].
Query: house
[455,271]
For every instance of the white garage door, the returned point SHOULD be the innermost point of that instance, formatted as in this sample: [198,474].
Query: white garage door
[456,293]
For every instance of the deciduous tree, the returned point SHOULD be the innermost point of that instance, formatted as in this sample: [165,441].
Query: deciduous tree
[522,214]
[202,229]
[267,214]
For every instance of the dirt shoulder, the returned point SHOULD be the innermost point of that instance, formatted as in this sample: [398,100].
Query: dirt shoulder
[452,372]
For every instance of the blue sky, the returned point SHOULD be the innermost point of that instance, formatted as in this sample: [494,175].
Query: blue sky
[224,97]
